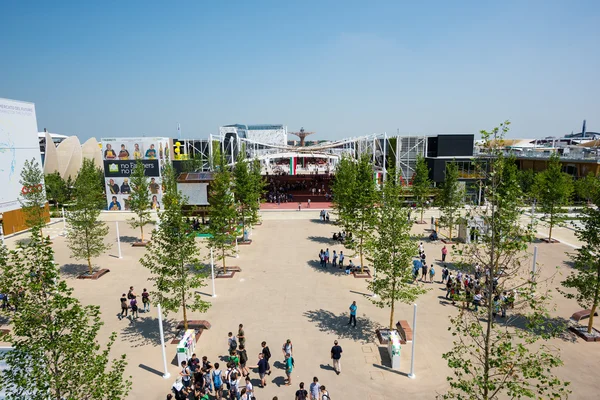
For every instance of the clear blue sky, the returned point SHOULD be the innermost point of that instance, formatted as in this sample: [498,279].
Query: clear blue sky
[345,68]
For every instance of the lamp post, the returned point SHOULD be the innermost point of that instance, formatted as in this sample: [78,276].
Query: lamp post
[166,375]
[412,358]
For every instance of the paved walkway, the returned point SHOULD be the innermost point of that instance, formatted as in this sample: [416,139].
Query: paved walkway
[282,293]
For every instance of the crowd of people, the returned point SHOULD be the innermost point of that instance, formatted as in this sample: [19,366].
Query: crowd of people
[281,192]
[202,380]
[129,302]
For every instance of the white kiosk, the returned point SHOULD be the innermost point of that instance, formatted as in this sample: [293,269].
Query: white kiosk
[394,349]
[186,346]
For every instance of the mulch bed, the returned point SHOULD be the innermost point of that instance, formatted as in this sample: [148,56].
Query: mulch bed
[95,275]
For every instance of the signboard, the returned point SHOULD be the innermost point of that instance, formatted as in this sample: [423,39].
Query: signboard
[18,142]
[120,156]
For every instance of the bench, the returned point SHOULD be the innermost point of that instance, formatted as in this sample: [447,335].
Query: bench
[579,315]
[198,325]
[405,331]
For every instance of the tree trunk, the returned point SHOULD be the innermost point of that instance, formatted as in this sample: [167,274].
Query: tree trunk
[142,232]
[362,266]
[392,316]
[450,231]
[89,260]
[591,321]
[223,253]
[185,320]
[550,231]
[422,214]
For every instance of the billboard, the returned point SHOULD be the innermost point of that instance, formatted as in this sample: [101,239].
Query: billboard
[18,142]
[120,156]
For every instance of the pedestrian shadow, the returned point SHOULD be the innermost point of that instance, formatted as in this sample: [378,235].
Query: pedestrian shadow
[129,239]
[337,324]
[279,381]
[316,265]
[279,365]
[327,367]
[145,331]
[73,270]
[322,239]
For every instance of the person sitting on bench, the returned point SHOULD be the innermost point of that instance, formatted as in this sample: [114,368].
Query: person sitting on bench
[335,236]
[350,268]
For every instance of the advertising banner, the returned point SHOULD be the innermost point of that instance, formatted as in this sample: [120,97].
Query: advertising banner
[120,157]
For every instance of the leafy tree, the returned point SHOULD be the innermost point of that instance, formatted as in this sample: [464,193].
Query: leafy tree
[194,164]
[173,256]
[343,189]
[244,188]
[421,185]
[86,232]
[586,278]
[553,189]
[588,188]
[491,360]
[222,212]
[139,199]
[259,187]
[56,352]
[527,181]
[363,201]
[451,198]
[56,188]
[392,251]
[33,195]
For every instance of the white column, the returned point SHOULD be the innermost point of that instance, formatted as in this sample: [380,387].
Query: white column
[212,271]
[412,358]
[166,375]
[118,239]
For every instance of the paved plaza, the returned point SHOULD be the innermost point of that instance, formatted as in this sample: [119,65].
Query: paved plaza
[282,293]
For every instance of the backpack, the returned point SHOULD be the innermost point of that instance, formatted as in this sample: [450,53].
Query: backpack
[217,379]
[243,357]
[129,295]
[293,364]
[233,344]
[325,396]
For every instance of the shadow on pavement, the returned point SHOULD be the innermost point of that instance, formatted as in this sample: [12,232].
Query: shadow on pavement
[322,239]
[279,381]
[386,361]
[73,270]
[337,324]
[386,368]
[150,369]
[316,265]
[279,365]
[144,331]
[555,326]
[129,239]
[326,367]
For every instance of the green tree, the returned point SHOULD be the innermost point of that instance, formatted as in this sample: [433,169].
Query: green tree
[451,198]
[222,212]
[588,188]
[56,188]
[259,186]
[491,360]
[244,189]
[363,219]
[421,185]
[33,195]
[173,256]
[86,232]
[139,199]
[56,352]
[343,189]
[392,251]
[527,181]
[553,190]
[586,277]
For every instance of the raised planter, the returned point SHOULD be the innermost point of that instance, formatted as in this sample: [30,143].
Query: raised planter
[197,325]
[546,240]
[364,275]
[95,275]
[447,241]
[421,222]
[140,243]
[231,271]
[244,242]
[383,335]
[581,331]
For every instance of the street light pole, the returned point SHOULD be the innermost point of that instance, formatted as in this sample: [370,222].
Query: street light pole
[166,375]
[412,358]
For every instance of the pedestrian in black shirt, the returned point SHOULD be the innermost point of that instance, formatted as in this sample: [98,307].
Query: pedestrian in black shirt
[336,355]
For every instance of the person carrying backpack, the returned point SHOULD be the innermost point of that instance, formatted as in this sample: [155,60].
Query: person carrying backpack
[217,379]
[146,300]
[233,385]
[289,367]
[301,393]
[232,343]
[324,393]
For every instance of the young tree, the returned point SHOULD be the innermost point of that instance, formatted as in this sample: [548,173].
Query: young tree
[33,195]
[421,185]
[86,232]
[139,199]
[392,251]
[56,188]
[222,212]
[553,189]
[244,189]
[259,188]
[451,198]
[343,189]
[363,201]
[173,256]
[491,360]
[587,188]
[586,277]
[526,181]
[56,353]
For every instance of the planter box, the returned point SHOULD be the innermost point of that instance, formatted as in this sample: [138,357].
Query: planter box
[581,331]
[140,244]
[231,271]
[546,240]
[241,242]
[383,335]
[447,241]
[365,275]
[95,275]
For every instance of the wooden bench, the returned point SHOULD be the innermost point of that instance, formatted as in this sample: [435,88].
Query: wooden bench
[405,331]
[195,324]
[579,315]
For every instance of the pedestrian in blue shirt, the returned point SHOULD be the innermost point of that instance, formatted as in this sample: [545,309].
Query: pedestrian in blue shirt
[353,308]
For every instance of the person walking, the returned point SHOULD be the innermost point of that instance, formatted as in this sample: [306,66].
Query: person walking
[134,308]
[301,393]
[308,204]
[217,378]
[267,355]
[146,300]
[431,273]
[444,253]
[299,206]
[326,256]
[289,368]
[243,360]
[424,272]
[324,393]
[231,343]
[341,259]
[287,349]
[334,259]
[124,306]
[353,309]
[262,366]
[315,388]
[444,273]
[186,377]
[336,355]
[240,335]
[131,294]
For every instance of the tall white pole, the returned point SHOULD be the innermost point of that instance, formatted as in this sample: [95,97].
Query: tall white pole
[412,358]
[212,271]
[534,266]
[118,239]
[166,375]
[237,249]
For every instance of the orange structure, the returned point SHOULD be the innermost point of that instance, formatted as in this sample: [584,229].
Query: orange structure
[302,135]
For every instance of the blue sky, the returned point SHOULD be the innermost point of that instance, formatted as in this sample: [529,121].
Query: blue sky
[338,68]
